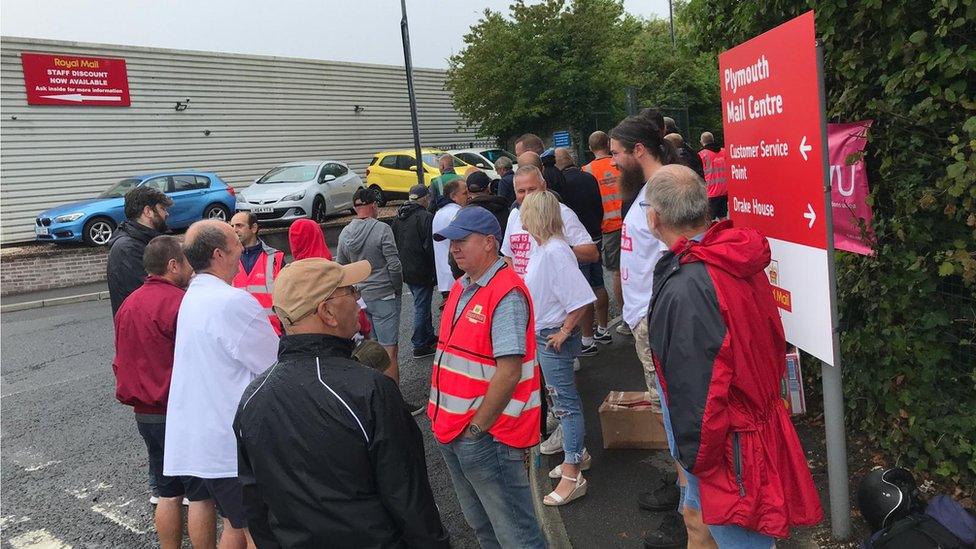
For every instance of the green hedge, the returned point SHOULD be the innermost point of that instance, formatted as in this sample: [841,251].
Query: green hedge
[909,326]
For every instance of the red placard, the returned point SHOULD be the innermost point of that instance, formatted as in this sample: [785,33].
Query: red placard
[72,80]
[771,117]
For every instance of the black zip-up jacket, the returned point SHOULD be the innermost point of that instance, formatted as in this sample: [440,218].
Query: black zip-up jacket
[124,268]
[412,233]
[499,206]
[329,456]
[582,194]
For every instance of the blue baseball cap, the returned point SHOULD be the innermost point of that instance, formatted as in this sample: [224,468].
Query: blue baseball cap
[470,220]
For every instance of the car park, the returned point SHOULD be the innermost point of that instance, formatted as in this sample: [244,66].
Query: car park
[484,159]
[196,195]
[392,173]
[308,189]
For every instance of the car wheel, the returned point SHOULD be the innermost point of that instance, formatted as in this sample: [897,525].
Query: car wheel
[319,210]
[216,211]
[381,200]
[98,231]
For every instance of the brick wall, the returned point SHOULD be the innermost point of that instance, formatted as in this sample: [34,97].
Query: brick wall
[53,267]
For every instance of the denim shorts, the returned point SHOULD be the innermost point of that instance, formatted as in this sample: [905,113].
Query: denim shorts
[385,316]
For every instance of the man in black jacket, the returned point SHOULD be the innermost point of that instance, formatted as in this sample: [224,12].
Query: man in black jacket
[328,454]
[412,233]
[479,195]
[145,212]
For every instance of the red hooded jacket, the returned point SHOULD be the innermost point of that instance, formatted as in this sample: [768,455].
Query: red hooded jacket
[719,348]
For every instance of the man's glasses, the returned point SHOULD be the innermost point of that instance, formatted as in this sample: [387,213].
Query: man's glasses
[353,291]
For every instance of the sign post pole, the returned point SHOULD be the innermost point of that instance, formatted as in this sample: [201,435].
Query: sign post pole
[833,390]
[408,65]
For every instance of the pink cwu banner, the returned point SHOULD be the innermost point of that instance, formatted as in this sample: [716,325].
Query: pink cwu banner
[849,184]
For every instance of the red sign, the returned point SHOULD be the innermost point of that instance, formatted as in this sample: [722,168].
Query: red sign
[73,80]
[771,117]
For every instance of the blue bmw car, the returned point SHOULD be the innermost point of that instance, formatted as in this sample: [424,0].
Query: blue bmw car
[196,195]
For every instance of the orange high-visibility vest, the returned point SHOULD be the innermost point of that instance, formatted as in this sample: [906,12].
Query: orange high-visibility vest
[465,365]
[260,281]
[714,165]
[607,175]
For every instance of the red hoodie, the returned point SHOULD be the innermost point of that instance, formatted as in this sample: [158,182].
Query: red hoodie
[145,336]
[719,346]
[306,240]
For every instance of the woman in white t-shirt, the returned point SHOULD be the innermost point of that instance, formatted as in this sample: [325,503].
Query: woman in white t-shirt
[559,294]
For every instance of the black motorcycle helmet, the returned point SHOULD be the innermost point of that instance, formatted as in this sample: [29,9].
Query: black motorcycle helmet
[886,495]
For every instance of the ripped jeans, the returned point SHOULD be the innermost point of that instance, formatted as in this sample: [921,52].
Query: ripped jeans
[557,369]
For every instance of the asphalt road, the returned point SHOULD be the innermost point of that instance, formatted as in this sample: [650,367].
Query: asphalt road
[73,467]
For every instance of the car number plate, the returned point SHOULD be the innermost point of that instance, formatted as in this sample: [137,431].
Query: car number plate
[42,230]
[262,210]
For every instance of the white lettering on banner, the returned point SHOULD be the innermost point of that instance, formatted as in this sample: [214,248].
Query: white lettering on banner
[738,172]
[755,207]
[768,105]
[762,150]
[837,174]
[520,249]
[748,75]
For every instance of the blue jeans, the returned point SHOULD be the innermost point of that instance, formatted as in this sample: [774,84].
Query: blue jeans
[732,537]
[557,369]
[423,327]
[492,485]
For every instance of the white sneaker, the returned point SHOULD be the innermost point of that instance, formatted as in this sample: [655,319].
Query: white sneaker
[624,329]
[576,365]
[553,444]
[186,502]
[153,499]
[552,422]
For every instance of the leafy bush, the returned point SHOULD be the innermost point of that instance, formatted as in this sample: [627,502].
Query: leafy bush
[907,313]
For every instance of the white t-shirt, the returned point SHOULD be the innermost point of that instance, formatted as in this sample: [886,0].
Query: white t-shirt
[517,244]
[556,284]
[442,249]
[639,253]
[223,341]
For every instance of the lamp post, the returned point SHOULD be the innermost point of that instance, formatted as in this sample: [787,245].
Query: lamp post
[408,64]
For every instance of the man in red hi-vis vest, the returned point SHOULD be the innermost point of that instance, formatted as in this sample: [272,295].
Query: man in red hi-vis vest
[260,264]
[713,161]
[485,386]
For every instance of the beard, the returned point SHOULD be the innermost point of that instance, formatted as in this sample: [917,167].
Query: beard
[159,224]
[631,180]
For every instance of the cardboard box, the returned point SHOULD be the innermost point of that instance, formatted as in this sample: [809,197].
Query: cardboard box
[628,421]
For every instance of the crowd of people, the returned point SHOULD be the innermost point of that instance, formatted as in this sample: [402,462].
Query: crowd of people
[267,390]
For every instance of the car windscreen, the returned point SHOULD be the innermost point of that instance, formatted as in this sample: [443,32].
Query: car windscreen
[495,154]
[119,189]
[289,174]
[431,160]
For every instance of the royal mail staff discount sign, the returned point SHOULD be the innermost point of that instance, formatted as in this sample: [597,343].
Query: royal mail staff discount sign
[774,156]
[72,80]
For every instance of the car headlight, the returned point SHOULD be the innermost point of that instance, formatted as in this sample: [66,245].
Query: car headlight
[295,196]
[68,218]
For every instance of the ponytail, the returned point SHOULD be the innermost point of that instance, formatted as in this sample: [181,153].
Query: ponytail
[643,129]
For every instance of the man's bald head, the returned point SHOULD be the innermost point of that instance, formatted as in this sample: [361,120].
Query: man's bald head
[599,142]
[529,159]
[564,158]
[678,199]
[675,139]
[529,142]
[445,162]
[212,246]
[707,138]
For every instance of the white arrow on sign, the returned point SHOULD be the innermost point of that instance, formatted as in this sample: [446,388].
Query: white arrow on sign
[78,98]
[804,147]
[811,215]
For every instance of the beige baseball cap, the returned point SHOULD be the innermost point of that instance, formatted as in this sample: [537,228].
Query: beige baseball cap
[302,285]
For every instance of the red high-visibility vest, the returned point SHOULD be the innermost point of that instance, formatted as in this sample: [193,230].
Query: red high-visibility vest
[714,165]
[260,281]
[465,365]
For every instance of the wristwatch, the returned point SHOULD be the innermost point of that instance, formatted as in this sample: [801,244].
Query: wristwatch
[474,431]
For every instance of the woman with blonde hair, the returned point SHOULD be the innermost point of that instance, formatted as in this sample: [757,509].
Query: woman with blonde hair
[560,293]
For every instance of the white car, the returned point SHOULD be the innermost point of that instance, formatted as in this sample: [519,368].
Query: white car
[311,188]
[484,159]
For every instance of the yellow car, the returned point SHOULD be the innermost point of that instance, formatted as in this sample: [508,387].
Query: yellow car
[392,173]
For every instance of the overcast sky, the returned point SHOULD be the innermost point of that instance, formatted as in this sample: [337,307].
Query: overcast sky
[359,30]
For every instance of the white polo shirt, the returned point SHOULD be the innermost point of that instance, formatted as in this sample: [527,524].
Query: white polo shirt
[442,249]
[556,284]
[517,244]
[639,253]
[223,341]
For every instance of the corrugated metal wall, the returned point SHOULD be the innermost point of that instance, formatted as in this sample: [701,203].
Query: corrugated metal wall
[259,111]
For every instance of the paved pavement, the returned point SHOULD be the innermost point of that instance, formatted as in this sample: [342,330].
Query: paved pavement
[73,466]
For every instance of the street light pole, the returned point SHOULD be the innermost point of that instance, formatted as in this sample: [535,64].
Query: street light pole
[670,19]
[408,64]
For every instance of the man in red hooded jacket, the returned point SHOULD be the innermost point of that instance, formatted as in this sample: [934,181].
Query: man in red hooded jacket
[719,348]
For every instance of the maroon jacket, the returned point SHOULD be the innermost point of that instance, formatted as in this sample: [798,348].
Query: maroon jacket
[720,352]
[145,336]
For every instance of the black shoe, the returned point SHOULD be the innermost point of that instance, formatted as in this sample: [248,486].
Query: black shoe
[589,350]
[669,532]
[424,352]
[663,496]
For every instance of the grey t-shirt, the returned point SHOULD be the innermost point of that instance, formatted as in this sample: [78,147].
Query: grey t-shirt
[512,310]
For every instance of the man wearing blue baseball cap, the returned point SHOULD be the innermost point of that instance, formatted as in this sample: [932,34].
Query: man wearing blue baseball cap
[485,386]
